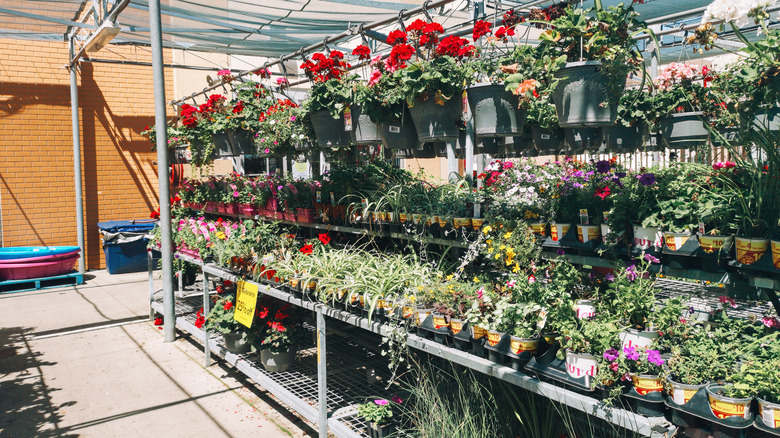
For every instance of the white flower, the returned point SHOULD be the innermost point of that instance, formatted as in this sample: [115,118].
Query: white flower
[273,122]
[733,10]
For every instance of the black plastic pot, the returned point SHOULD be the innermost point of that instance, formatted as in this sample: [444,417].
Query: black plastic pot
[436,122]
[364,131]
[399,134]
[329,131]
[495,111]
[547,142]
[579,140]
[683,130]
[579,96]
[623,139]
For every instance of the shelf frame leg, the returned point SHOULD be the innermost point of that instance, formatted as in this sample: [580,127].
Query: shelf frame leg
[322,376]
[206,302]
[150,267]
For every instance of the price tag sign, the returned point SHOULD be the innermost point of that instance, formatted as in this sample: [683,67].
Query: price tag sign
[364,202]
[347,119]
[702,229]
[332,198]
[319,197]
[584,216]
[246,300]
[605,217]
[477,210]
[465,103]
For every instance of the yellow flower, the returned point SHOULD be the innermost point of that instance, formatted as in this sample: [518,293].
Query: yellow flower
[508,235]
[449,277]
[487,229]
[489,241]
[475,279]
[221,235]
[502,247]
[498,256]
[516,269]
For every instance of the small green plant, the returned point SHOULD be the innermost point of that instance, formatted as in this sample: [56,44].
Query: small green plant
[377,411]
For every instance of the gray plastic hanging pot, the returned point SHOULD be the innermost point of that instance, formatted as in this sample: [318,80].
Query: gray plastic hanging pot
[579,140]
[329,131]
[402,153]
[581,94]
[364,131]
[243,141]
[440,149]
[619,138]
[728,136]
[547,140]
[436,122]
[223,145]
[683,130]
[424,150]
[490,146]
[495,111]
[769,119]
[400,134]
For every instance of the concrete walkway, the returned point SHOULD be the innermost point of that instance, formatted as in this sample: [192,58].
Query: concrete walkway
[84,361]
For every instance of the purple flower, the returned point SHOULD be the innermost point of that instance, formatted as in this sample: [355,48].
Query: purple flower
[631,353]
[609,277]
[603,166]
[381,402]
[654,357]
[611,354]
[771,322]
[560,251]
[646,179]
[631,273]
[652,259]
[620,174]
[397,399]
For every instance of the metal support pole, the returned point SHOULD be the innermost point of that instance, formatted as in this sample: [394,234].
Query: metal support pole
[470,140]
[452,162]
[653,54]
[150,266]
[322,376]
[74,115]
[206,304]
[158,73]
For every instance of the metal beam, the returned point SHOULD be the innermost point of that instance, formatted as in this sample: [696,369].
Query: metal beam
[45,18]
[74,115]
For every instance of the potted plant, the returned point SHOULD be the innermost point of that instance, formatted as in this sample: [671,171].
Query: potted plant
[279,330]
[195,129]
[682,107]
[693,363]
[630,298]
[636,200]
[582,341]
[601,52]
[379,416]
[642,365]
[220,319]
[631,129]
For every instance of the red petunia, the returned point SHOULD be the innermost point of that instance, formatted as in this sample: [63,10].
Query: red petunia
[603,192]
[307,249]
[324,238]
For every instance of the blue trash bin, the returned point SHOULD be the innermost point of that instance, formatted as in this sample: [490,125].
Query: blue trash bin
[124,244]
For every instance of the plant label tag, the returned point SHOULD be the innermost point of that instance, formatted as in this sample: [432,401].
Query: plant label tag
[544,136]
[364,201]
[394,129]
[477,210]
[246,300]
[702,229]
[583,216]
[465,103]
[605,217]
[319,197]
[347,119]
[332,198]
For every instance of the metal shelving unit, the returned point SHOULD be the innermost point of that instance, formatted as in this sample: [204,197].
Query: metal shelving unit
[342,422]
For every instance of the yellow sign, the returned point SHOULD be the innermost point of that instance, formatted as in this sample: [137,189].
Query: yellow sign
[246,300]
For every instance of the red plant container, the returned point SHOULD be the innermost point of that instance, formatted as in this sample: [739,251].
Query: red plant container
[37,269]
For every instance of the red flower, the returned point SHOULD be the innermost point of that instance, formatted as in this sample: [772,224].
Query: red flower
[603,192]
[228,305]
[416,26]
[158,321]
[262,313]
[277,326]
[454,46]
[362,52]
[335,54]
[155,214]
[199,321]
[238,107]
[503,33]
[307,249]
[227,283]
[396,37]
[481,28]
[324,238]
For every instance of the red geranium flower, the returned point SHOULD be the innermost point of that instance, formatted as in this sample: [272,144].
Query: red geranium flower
[155,214]
[307,249]
[362,52]
[228,305]
[324,238]
[396,37]
[262,313]
[481,28]
[227,283]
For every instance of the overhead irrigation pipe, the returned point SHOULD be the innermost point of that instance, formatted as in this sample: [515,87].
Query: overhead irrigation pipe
[347,33]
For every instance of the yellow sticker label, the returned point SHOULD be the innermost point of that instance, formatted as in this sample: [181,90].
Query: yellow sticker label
[246,300]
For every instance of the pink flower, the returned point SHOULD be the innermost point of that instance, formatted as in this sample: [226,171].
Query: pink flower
[381,402]
[397,399]
[375,76]
[223,73]
[235,194]
[510,283]
[531,279]
[292,118]
[267,150]
[281,81]
[480,292]
[771,322]
[613,366]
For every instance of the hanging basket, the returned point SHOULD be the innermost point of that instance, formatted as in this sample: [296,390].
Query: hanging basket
[424,150]
[223,145]
[490,145]
[436,122]
[364,131]
[179,155]
[683,130]
[579,140]
[243,141]
[330,132]
[581,94]
[623,139]
[399,134]
[547,142]
[495,111]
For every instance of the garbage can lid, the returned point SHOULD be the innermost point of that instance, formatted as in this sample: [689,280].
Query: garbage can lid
[137,226]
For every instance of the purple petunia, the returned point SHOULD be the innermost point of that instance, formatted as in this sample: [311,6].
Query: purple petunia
[620,174]
[654,357]
[646,179]
[603,166]
[631,353]
[560,251]
[652,259]
[631,273]
[609,277]
[611,354]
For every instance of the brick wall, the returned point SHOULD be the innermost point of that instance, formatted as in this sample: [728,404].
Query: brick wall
[36,147]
